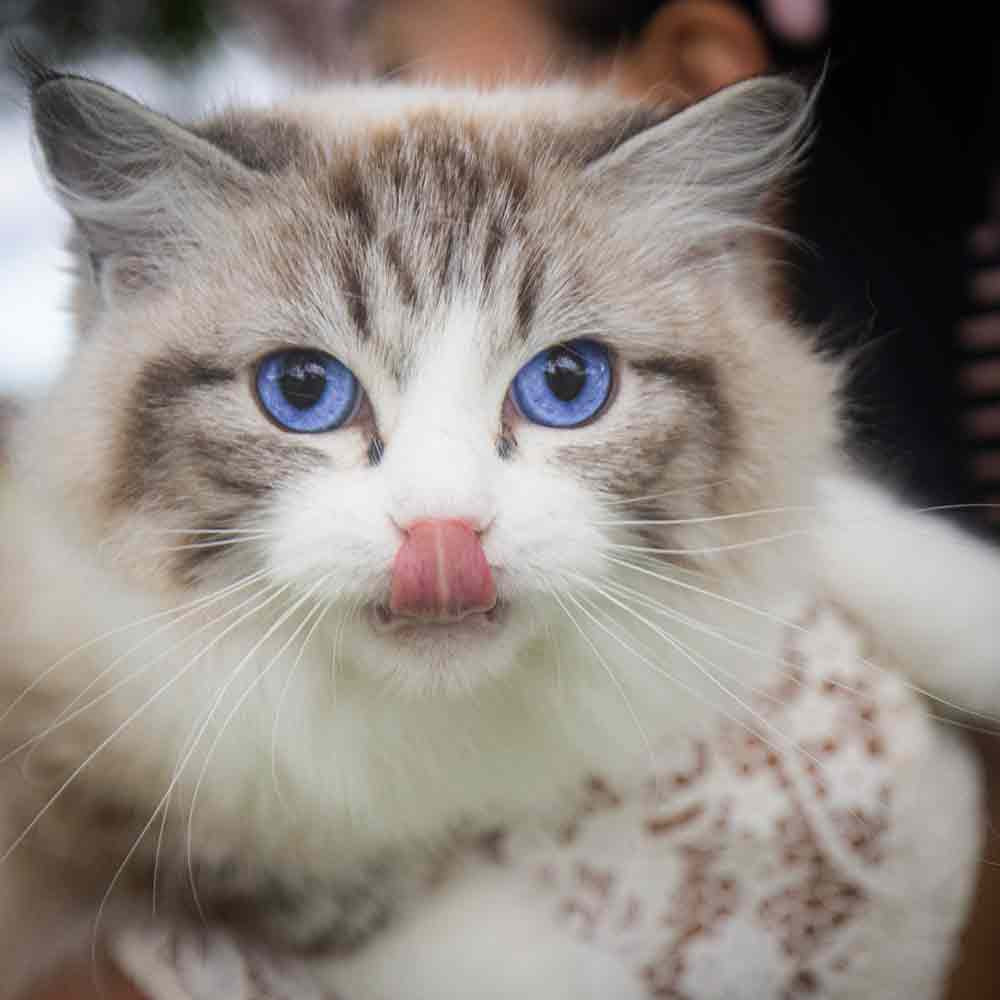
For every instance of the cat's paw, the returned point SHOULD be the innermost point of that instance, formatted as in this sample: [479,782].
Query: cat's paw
[198,963]
[481,937]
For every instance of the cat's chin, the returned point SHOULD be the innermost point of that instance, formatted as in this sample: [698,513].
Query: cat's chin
[440,655]
[408,629]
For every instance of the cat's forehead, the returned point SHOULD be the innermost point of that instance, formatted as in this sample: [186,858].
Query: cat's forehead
[426,207]
[359,113]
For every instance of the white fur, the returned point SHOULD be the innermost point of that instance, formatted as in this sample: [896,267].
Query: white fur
[933,590]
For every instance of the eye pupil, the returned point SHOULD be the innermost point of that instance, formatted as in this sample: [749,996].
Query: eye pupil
[303,383]
[565,373]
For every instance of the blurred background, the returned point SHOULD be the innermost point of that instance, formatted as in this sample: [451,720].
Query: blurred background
[899,208]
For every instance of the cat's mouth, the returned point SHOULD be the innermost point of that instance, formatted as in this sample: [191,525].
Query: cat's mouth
[386,622]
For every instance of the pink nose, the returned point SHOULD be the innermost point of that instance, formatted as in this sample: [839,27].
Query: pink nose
[441,573]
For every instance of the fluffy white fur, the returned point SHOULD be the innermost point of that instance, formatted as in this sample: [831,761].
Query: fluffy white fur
[302,733]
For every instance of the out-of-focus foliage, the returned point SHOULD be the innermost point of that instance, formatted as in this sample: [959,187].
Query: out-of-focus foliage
[167,29]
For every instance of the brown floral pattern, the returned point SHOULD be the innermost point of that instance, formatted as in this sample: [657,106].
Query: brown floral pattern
[823,846]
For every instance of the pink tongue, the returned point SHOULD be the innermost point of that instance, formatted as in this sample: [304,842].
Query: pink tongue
[441,573]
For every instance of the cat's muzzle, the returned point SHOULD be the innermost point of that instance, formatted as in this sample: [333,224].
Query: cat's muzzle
[440,575]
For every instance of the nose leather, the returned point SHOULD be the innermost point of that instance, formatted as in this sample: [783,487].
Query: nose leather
[440,573]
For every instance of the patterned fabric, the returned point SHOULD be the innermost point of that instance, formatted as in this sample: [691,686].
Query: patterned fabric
[823,845]
[979,375]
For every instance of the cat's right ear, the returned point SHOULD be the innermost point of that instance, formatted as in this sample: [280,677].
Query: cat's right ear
[709,172]
[137,184]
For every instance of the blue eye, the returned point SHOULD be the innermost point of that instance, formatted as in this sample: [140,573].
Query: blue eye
[307,391]
[564,386]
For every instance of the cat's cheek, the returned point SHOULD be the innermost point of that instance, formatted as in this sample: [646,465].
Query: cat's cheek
[331,531]
[548,524]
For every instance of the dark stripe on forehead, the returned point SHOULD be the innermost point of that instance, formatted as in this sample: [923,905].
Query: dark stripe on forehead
[442,173]
[431,201]
[493,242]
[446,243]
[406,280]
[431,161]
[346,195]
[347,267]
[348,200]
[529,291]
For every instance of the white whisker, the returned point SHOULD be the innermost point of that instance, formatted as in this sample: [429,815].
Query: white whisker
[790,509]
[258,532]
[676,681]
[136,844]
[731,601]
[338,637]
[195,546]
[705,668]
[124,725]
[643,599]
[604,663]
[682,491]
[69,713]
[798,751]
[234,673]
[323,610]
[712,549]
[797,627]
[790,672]
[713,518]
[657,562]
[156,853]
[198,604]
[754,689]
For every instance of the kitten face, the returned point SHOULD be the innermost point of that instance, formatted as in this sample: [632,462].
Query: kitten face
[433,253]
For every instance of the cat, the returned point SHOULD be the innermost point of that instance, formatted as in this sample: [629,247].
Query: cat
[422,451]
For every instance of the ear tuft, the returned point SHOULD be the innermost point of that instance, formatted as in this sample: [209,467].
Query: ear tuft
[137,184]
[32,70]
[711,169]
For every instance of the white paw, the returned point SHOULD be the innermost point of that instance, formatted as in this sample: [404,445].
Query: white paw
[483,937]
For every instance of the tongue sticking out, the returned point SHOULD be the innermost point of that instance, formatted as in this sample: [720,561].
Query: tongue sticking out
[441,573]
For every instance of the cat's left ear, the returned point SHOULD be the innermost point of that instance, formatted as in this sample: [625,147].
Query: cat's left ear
[711,169]
[139,186]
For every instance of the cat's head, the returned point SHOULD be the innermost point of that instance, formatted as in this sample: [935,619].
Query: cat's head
[440,360]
